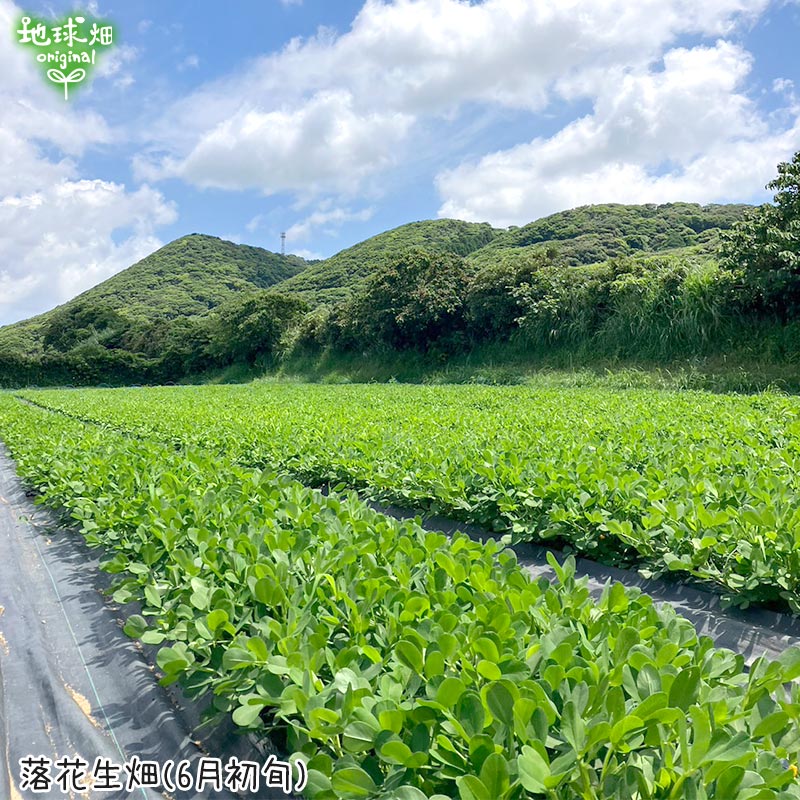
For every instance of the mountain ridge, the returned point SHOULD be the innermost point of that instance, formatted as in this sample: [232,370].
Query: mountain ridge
[168,296]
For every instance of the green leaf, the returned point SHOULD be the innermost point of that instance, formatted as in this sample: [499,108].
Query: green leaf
[258,647]
[135,626]
[487,648]
[790,661]
[410,655]
[773,723]
[395,752]
[171,661]
[533,770]
[684,689]
[318,783]
[500,703]
[617,598]
[152,596]
[729,781]
[358,737]
[470,713]
[264,591]
[573,727]
[626,725]
[216,619]
[237,658]
[434,664]
[450,689]
[489,670]
[247,714]
[626,639]
[725,747]
[480,748]
[494,775]
[471,787]
[353,782]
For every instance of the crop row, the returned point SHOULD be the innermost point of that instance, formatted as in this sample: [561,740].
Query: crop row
[399,663]
[690,482]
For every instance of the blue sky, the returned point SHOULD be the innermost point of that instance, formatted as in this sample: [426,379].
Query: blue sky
[334,121]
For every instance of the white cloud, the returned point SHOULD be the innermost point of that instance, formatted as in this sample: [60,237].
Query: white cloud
[113,61]
[255,223]
[63,240]
[191,61]
[125,81]
[114,64]
[431,55]
[686,132]
[324,145]
[401,61]
[329,219]
[61,233]
[308,255]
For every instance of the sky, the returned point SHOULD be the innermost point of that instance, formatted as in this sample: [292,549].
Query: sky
[334,121]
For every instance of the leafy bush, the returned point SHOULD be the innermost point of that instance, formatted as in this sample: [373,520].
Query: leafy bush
[654,306]
[251,325]
[494,303]
[414,301]
[84,322]
[765,247]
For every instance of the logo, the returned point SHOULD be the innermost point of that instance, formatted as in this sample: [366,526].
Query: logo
[66,50]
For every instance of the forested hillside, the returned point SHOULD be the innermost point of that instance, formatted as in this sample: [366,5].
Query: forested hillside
[606,283]
[334,278]
[122,328]
[186,278]
[591,234]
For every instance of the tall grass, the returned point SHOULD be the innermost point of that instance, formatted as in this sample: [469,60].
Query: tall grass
[656,308]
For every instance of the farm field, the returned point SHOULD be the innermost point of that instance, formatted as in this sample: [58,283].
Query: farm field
[691,483]
[397,662]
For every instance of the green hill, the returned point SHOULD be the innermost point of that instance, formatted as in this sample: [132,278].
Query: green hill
[185,278]
[593,234]
[182,309]
[333,278]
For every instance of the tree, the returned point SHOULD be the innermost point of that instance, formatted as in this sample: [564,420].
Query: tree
[493,301]
[765,246]
[183,347]
[250,326]
[414,301]
[84,321]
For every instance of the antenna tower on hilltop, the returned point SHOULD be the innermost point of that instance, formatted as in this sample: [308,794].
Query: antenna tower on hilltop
[283,243]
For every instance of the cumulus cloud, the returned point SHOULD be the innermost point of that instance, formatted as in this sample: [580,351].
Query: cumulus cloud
[686,131]
[62,240]
[61,233]
[432,55]
[328,219]
[308,255]
[324,144]
[402,61]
